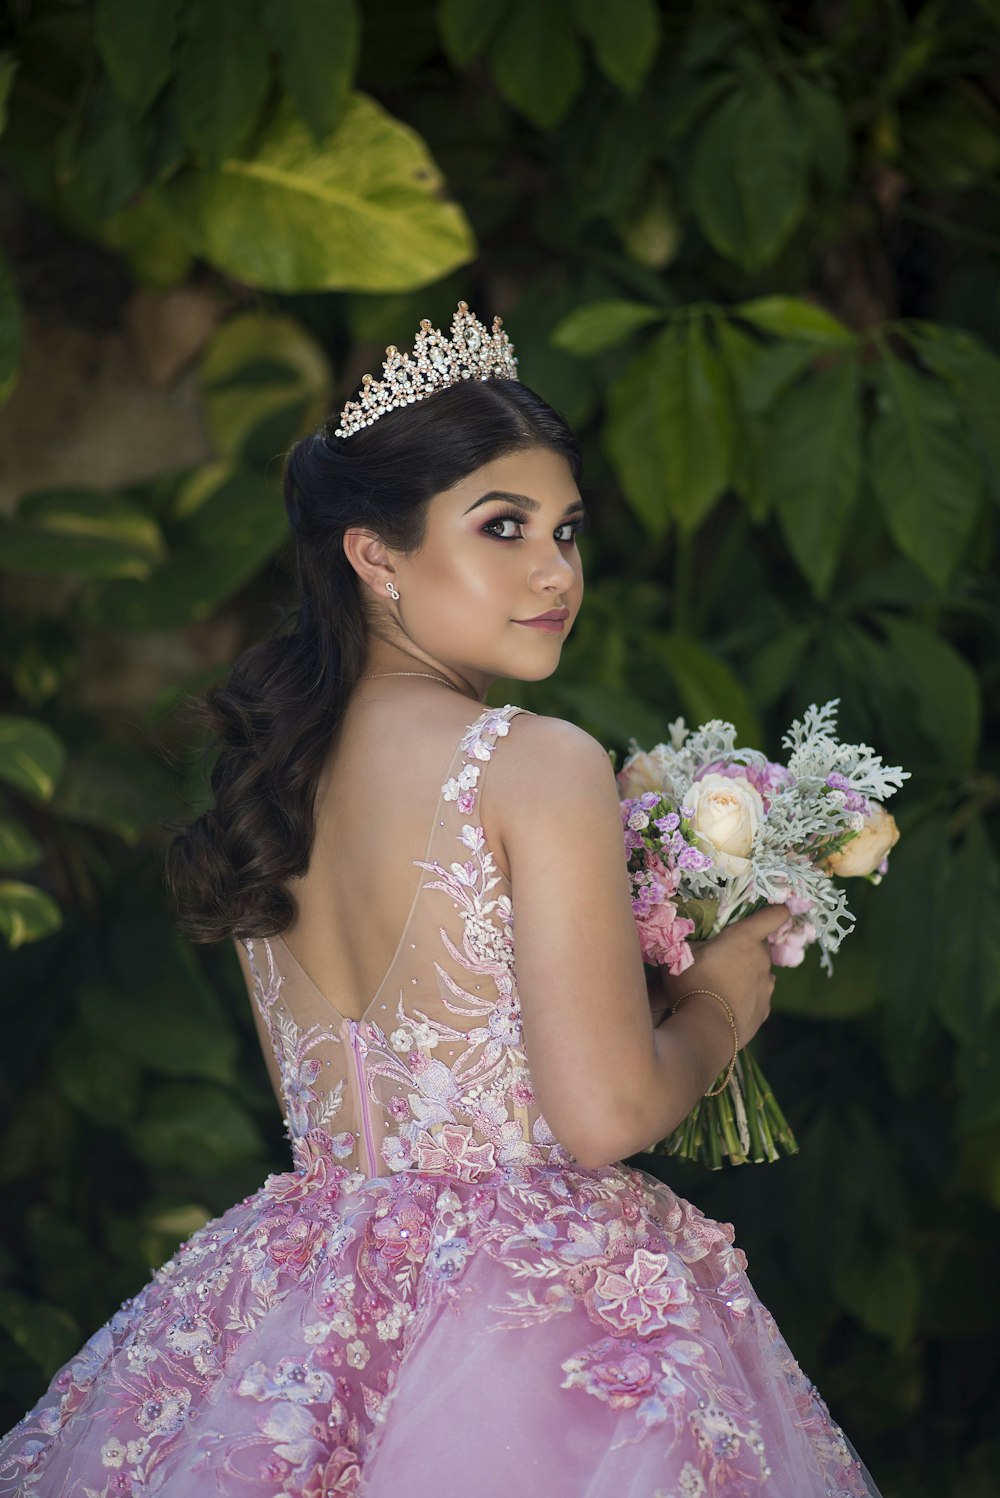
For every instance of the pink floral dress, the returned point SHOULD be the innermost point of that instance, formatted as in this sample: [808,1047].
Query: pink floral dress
[437,1299]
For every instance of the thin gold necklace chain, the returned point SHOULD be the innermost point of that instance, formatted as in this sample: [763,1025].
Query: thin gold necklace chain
[375,674]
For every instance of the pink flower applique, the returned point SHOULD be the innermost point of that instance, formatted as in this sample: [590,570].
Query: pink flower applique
[336,1476]
[462,784]
[648,1297]
[613,1374]
[453,1149]
[295,1251]
[493,722]
[402,1233]
[625,1372]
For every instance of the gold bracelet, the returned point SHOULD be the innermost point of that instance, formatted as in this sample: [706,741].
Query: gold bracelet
[732,1025]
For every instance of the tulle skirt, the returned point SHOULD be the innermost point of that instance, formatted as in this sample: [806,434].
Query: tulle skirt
[564,1332]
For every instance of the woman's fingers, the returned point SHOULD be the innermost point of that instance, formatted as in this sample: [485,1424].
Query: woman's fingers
[763,923]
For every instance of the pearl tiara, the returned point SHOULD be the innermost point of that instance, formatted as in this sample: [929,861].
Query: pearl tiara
[472,352]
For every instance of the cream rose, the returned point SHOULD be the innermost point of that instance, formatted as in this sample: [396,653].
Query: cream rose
[727,813]
[638,774]
[866,850]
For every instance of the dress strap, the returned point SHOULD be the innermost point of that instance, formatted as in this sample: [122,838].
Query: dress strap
[474,750]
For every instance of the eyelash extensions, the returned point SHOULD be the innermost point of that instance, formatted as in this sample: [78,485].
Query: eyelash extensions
[579,523]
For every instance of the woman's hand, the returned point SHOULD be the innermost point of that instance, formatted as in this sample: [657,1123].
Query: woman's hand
[736,964]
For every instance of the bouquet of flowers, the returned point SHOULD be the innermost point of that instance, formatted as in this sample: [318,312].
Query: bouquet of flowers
[713,832]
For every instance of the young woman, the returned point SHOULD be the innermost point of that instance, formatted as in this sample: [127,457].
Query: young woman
[458,1287]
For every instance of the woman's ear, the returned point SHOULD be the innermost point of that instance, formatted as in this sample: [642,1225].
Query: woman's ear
[370,558]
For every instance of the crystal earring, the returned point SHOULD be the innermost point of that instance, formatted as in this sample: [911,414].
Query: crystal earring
[392,591]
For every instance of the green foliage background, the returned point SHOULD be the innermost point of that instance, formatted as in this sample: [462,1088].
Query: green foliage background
[751,252]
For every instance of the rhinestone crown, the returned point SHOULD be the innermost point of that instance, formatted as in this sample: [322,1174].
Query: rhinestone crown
[472,352]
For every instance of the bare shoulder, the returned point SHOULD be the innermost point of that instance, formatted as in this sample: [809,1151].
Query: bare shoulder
[549,752]
[546,768]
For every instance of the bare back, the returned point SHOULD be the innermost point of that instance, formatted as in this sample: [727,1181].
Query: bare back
[375,800]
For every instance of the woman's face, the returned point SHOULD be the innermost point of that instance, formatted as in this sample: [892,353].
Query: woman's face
[499,549]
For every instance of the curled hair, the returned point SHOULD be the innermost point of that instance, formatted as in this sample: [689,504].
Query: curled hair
[275,718]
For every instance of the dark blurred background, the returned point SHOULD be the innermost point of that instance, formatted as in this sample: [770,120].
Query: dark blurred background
[751,252]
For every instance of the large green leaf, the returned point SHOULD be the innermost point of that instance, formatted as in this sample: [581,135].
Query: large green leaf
[649,228]
[18,848]
[822,114]
[115,787]
[909,951]
[924,472]
[884,1293]
[748,178]
[706,686]
[791,317]
[973,371]
[624,37]
[363,212]
[536,60]
[172,1032]
[760,369]
[693,411]
[26,913]
[197,1129]
[256,366]
[99,161]
[46,1333]
[239,521]
[466,29]
[80,533]
[812,467]
[603,325]
[145,232]
[31,756]
[317,42]
[971,994]
[135,42]
[222,78]
[10,333]
[633,440]
[945,685]
[96,1077]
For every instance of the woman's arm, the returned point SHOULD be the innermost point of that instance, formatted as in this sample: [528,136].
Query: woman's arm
[607,1082]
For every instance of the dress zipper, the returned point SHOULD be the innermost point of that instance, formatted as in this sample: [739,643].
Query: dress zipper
[358,1047]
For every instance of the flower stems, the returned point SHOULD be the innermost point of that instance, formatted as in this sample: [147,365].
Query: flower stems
[743,1125]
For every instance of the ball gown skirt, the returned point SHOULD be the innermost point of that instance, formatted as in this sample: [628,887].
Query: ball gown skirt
[437,1299]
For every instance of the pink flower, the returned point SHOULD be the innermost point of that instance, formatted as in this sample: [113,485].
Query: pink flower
[788,944]
[338,1474]
[453,1150]
[295,1251]
[320,1176]
[765,779]
[648,1297]
[662,932]
[618,1377]
[663,937]
[402,1233]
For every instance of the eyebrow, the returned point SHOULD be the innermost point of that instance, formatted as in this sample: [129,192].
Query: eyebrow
[521,499]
